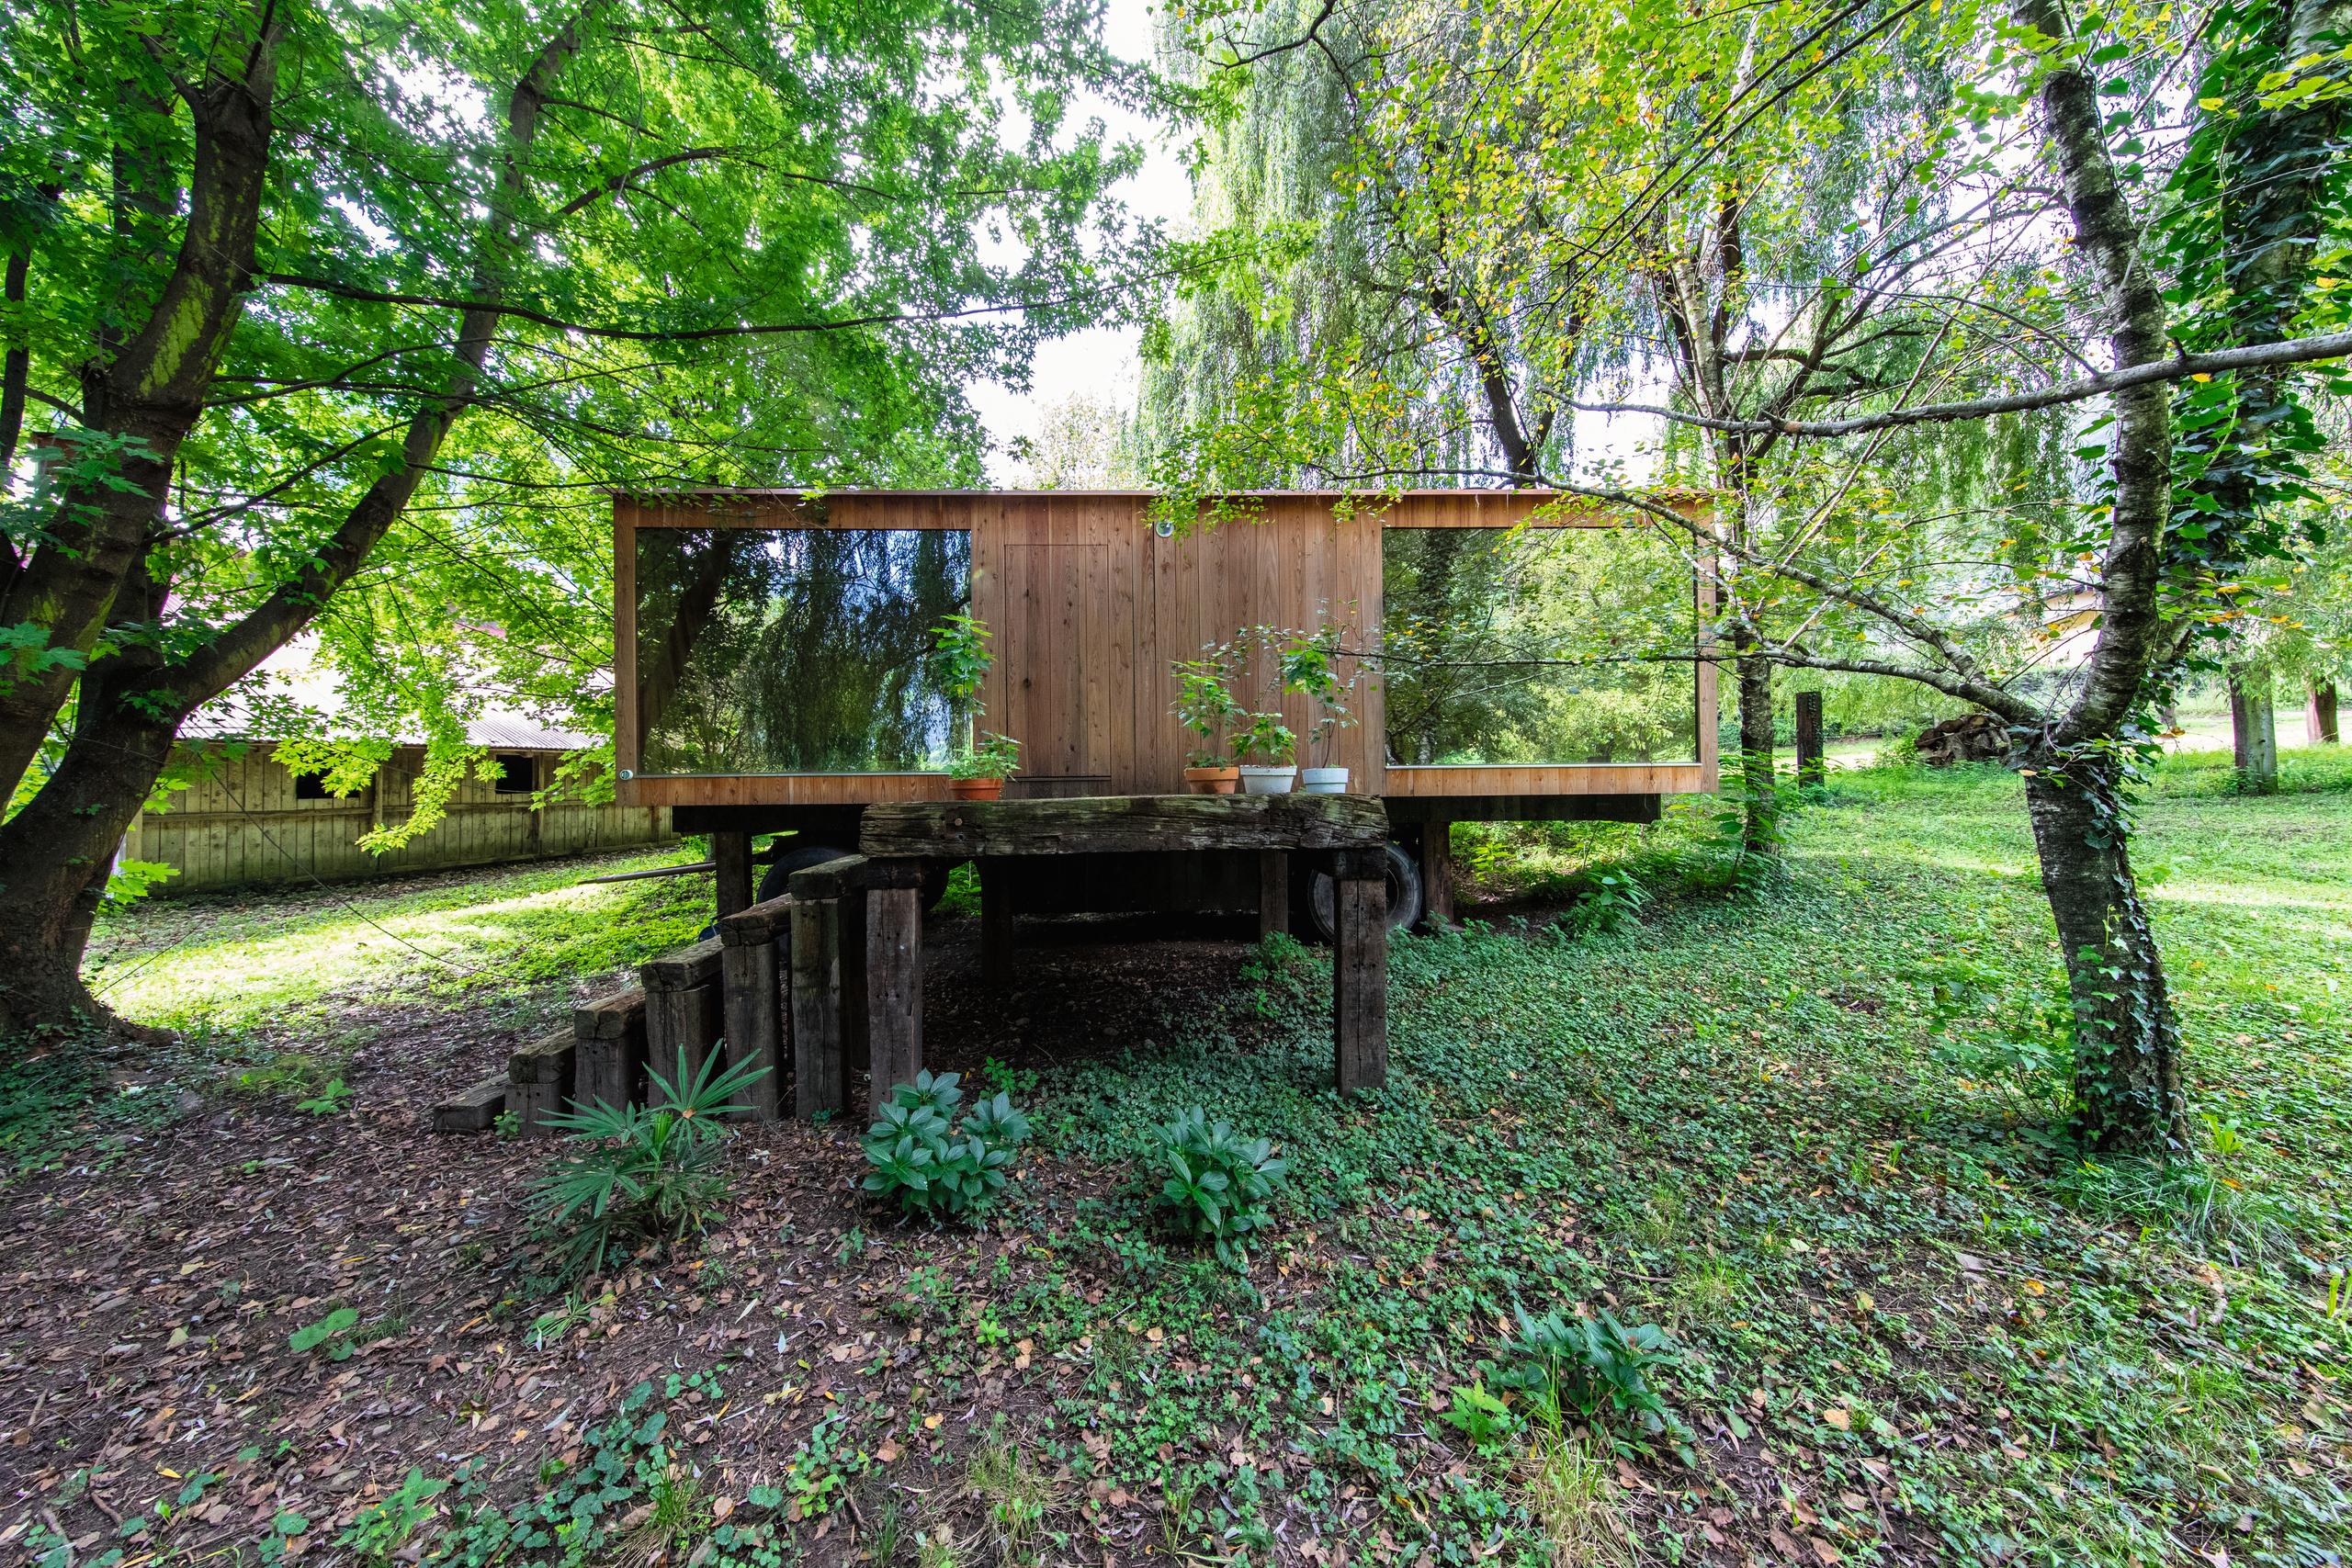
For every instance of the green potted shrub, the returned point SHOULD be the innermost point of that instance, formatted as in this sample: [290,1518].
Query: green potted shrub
[979,773]
[1306,665]
[960,662]
[1266,750]
[1205,704]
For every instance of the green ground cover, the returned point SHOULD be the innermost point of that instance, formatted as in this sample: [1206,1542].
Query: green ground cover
[1811,1131]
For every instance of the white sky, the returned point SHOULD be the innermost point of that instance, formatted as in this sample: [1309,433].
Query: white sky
[1101,362]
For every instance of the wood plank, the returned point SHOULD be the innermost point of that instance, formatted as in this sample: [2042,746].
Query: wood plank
[731,856]
[893,989]
[1360,977]
[1121,824]
[680,1027]
[1437,873]
[538,1078]
[751,1006]
[1554,778]
[611,1063]
[766,922]
[689,966]
[818,1075]
[1273,893]
[475,1109]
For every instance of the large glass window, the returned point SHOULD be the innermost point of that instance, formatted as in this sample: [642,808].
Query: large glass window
[770,650]
[1537,646]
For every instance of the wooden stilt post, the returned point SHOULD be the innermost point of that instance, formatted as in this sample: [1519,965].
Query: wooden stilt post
[893,975]
[731,852]
[1436,873]
[996,922]
[750,985]
[1810,768]
[1273,893]
[1359,969]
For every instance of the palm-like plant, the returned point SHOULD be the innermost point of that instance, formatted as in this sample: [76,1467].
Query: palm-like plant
[654,1174]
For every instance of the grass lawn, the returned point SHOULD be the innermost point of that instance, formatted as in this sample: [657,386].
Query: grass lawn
[1809,1130]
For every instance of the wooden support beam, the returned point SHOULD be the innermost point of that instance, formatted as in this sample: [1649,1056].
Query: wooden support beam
[475,1109]
[610,1065]
[963,830]
[1436,866]
[1273,893]
[817,1007]
[681,1010]
[753,1014]
[538,1081]
[893,988]
[996,922]
[1360,970]
[731,856]
[1810,768]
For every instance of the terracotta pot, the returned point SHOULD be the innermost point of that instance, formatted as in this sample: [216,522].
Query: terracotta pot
[975,789]
[1212,780]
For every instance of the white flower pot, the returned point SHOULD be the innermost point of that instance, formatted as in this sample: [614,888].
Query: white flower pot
[1256,779]
[1323,781]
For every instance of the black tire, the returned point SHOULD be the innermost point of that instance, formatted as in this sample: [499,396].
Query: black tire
[799,857]
[1404,895]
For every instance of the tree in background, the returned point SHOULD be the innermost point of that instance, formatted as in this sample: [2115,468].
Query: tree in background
[1933,299]
[330,303]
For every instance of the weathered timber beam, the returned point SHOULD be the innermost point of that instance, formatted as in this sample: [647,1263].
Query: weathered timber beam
[955,829]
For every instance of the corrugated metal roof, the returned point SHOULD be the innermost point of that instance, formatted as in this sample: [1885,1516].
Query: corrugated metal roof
[500,732]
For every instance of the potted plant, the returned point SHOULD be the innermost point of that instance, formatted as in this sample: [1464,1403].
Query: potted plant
[960,662]
[1205,704]
[1265,748]
[1305,663]
[979,773]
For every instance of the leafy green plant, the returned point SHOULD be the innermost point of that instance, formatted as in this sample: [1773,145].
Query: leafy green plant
[1610,902]
[378,1532]
[332,1099]
[928,1162]
[1483,1419]
[1595,1365]
[960,659]
[992,756]
[1205,702]
[654,1174]
[1217,1181]
[331,1333]
[1265,740]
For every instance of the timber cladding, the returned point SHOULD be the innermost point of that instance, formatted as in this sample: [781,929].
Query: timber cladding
[1087,605]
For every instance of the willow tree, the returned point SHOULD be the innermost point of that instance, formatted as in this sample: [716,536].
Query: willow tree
[294,288]
[1928,303]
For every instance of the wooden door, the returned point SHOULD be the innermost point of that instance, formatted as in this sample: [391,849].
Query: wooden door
[1067,693]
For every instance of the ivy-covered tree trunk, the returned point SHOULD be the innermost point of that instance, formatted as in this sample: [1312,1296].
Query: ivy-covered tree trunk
[1760,834]
[2127,1043]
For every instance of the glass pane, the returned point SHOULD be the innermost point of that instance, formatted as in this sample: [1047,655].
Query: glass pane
[1527,646]
[771,650]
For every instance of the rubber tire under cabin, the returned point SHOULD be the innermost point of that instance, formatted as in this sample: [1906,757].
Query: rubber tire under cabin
[1404,894]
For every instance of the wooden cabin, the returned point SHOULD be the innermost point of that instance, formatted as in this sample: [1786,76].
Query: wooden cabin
[771,649]
[246,819]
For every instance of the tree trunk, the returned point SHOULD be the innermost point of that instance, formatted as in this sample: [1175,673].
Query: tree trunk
[2253,729]
[55,856]
[2127,1043]
[2319,715]
[1762,833]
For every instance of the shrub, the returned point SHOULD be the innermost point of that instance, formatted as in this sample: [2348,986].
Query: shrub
[928,1163]
[1612,901]
[1218,1182]
[655,1174]
[1594,1366]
